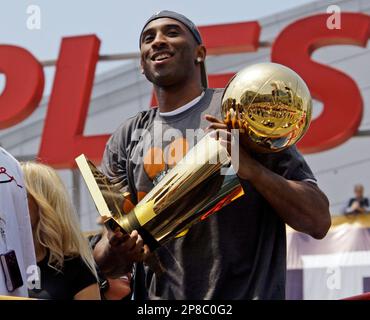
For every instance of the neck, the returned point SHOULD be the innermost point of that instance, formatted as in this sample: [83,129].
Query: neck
[171,98]
[40,250]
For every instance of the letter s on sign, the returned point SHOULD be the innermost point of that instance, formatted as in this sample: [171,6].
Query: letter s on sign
[342,100]
[24,85]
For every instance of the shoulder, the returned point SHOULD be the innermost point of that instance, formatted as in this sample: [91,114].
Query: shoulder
[10,163]
[350,201]
[12,187]
[76,269]
[122,134]
[77,274]
[284,156]
[140,120]
[73,261]
[212,101]
[216,93]
[288,163]
[6,156]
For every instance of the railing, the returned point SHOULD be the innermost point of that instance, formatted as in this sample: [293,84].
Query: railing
[363,220]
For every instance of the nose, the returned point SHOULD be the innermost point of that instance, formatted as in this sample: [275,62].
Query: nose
[159,40]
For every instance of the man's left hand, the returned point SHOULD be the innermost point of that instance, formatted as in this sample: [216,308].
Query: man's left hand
[247,167]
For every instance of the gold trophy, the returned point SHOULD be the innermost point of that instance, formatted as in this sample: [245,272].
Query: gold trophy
[269,104]
[193,190]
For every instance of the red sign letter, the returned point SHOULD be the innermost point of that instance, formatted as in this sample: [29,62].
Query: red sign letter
[24,85]
[342,100]
[63,138]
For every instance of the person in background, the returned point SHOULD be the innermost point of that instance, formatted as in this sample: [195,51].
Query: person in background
[359,204]
[15,227]
[63,255]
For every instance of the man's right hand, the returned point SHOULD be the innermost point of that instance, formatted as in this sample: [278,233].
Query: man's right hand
[116,252]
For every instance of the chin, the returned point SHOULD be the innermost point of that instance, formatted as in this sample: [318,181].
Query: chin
[162,78]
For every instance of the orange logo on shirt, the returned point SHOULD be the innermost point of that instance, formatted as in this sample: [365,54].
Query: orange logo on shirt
[157,162]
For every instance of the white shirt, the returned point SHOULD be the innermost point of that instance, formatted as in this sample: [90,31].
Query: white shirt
[15,221]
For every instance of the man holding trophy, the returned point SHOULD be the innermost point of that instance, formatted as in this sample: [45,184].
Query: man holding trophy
[240,251]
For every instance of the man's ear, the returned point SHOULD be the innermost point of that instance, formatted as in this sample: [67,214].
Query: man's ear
[141,66]
[201,53]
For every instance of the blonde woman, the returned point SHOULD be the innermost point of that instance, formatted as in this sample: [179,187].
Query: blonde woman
[63,255]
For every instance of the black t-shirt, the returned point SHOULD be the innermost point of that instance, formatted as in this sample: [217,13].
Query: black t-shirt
[65,284]
[237,253]
[364,202]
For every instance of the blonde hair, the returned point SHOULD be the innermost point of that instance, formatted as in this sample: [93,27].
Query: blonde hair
[58,228]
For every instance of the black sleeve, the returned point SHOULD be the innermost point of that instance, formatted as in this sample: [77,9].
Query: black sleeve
[350,202]
[78,274]
[114,160]
[289,163]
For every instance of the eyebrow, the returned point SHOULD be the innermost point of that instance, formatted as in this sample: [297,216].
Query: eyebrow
[166,27]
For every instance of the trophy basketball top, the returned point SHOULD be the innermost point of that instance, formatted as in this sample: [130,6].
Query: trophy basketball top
[270,104]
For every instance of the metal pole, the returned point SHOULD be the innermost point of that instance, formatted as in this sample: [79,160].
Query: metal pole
[363,133]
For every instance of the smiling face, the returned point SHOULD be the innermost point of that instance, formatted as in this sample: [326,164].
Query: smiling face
[169,52]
